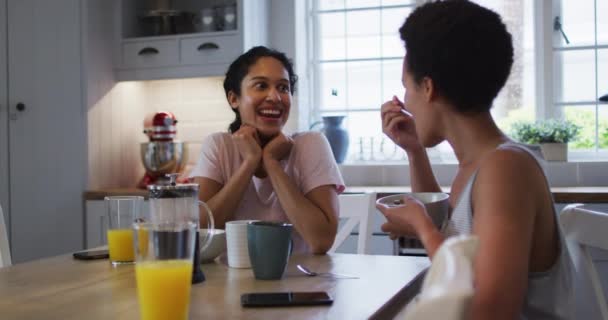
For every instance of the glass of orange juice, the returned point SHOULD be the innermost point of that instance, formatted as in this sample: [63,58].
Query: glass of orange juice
[122,212]
[163,270]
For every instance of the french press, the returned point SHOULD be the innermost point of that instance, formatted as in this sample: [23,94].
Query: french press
[178,203]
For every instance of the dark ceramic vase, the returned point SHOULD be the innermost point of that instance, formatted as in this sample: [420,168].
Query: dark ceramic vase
[337,136]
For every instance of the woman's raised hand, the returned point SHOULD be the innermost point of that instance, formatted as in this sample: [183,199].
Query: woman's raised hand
[278,148]
[398,126]
[248,142]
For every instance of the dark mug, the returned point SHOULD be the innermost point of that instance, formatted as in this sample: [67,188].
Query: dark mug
[269,245]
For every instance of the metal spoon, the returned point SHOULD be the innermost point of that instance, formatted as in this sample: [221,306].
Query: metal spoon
[407,113]
[311,273]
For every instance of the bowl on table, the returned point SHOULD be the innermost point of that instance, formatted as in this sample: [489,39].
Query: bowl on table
[216,247]
[436,204]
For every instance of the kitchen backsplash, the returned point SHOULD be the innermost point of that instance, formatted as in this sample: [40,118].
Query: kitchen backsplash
[116,124]
[199,104]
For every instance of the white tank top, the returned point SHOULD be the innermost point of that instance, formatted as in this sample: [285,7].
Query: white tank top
[549,294]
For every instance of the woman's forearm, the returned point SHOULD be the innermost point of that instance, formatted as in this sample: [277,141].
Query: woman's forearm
[224,203]
[422,178]
[315,225]
[431,238]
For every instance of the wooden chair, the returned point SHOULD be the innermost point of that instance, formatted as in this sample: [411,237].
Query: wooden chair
[447,288]
[585,229]
[5,254]
[357,209]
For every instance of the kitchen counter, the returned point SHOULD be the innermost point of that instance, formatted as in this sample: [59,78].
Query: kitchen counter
[99,194]
[560,194]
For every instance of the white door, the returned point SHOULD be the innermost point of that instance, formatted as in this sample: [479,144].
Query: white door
[47,128]
[3,117]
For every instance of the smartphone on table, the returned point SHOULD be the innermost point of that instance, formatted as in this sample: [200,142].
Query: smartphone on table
[91,255]
[282,299]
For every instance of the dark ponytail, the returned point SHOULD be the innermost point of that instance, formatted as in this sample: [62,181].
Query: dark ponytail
[236,124]
[240,67]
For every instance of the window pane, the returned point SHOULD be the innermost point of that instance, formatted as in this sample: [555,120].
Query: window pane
[577,77]
[584,116]
[398,2]
[602,22]
[363,32]
[603,127]
[577,18]
[330,4]
[367,142]
[332,86]
[392,19]
[364,80]
[517,99]
[391,80]
[602,72]
[362,3]
[332,44]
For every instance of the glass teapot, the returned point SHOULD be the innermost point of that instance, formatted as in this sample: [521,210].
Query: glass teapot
[174,203]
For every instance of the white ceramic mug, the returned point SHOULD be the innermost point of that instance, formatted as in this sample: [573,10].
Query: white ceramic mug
[236,244]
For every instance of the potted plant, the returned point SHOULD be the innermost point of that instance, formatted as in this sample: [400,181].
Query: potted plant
[551,135]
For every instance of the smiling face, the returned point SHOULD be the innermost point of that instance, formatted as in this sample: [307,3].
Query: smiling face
[420,100]
[265,98]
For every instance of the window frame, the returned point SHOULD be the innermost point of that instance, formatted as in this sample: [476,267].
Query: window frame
[547,76]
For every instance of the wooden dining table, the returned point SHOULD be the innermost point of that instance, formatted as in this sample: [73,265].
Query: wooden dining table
[63,288]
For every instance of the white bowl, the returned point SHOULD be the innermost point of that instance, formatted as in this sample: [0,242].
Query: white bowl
[216,247]
[436,203]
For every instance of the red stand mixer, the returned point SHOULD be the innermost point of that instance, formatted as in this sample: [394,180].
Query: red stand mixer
[161,155]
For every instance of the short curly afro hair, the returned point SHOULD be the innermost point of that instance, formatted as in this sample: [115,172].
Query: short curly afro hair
[464,48]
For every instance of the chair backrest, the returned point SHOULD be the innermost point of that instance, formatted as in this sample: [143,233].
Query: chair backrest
[583,229]
[5,254]
[357,209]
[447,289]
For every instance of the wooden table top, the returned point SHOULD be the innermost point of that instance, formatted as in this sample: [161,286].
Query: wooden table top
[64,288]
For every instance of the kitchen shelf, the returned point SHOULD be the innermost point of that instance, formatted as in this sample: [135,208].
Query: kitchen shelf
[185,55]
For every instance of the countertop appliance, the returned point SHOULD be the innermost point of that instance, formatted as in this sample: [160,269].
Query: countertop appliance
[162,154]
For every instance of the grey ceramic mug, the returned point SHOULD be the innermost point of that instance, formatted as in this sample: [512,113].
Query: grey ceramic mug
[269,246]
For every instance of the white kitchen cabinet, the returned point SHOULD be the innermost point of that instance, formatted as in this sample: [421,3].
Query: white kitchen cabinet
[4,171]
[198,54]
[96,224]
[43,123]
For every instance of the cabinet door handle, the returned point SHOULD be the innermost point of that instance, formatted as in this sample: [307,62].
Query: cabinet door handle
[208,46]
[20,106]
[147,51]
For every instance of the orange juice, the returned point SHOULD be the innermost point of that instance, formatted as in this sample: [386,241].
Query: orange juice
[120,245]
[142,242]
[163,288]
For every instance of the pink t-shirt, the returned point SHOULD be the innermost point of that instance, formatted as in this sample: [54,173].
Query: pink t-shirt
[310,164]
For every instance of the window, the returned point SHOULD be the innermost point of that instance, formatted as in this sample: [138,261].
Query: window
[580,61]
[357,56]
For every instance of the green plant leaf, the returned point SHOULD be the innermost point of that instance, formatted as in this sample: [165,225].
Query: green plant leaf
[545,131]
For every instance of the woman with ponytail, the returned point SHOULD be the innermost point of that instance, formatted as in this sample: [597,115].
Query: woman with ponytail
[256,171]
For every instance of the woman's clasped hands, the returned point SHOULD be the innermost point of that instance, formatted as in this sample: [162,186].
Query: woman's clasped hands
[249,146]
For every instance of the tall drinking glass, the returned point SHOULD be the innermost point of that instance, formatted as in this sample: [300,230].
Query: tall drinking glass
[164,255]
[122,212]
